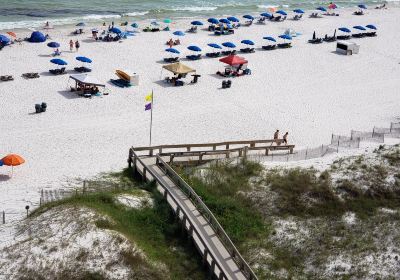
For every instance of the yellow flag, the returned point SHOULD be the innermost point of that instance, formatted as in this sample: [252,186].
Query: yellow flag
[149,97]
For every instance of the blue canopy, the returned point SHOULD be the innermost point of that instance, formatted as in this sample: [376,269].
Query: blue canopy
[196,22]
[115,30]
[359,27]
[247,42]
[37,37]
[179,33]
[322,9]
[213,20]
[194,48]
[53,45]
[285,36]
[4,40]
[267,15]
[215,46]
[270,38]
[224,20]
[282,12]
[362,6]
[229,45]
[58,61]
[344,29]
[298,11]
[172,50]
[233,19]
[84,59]
[250,17]
[370,26]
[81,24]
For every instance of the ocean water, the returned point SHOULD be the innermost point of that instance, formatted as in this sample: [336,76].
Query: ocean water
[33,13]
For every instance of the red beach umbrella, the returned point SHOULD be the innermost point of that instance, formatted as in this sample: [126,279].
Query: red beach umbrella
[233,60]
[12,34]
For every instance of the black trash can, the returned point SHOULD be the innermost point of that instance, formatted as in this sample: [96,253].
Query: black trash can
[224,84]
[38,108]
[44,107]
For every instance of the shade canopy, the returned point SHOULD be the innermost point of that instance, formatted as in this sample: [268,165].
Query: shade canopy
[194,48]
[37,37]
[281,12]
[172,50]
[86,80]
[58,61]
[250,17]
[12,160]
[167,20]
[229,45]
[285,36]
[233,19]
[247,42]
[224,20]
[270,38]
[233,60]
[370,26]
[215,46]
[197,23]
[267,15]
[322,9]
[359,27]
[115,30]
[84,59]
[213,20]
[53,45]
[178,68]
[179,33]
[4,40]
[12,34]
[298,11]
[344,29]
[362,6]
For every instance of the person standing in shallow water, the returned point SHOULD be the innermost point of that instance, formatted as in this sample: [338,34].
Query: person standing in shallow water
[71,45]
[77,45]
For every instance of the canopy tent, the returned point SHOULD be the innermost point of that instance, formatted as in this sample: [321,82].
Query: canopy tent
[37,37]
[85,79]
[178,68]
[233,60]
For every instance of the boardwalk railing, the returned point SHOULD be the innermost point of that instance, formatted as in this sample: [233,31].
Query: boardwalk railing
[201,207]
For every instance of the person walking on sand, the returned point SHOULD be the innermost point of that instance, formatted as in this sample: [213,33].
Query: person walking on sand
[77,45]
[71,45]
[285,136]
[276,137]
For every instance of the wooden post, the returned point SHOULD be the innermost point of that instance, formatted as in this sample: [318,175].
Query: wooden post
[165,194]
[144,173]
[252,144]
[214,147]
[212,266]
[227,147]
[84,185]
[205,254]
[188,148]
[266,151]
[245,152]
[151,152]
[291,150]
[4,217]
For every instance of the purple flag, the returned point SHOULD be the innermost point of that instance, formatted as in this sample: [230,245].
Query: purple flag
[147,107]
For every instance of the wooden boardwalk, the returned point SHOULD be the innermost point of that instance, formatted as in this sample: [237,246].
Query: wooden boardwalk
[214,245]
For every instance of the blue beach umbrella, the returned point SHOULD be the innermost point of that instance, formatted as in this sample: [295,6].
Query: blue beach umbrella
[282,12]
[359,27]
[229,45]
[298,11]
[285,37]
[115,30]
[213,20]
[215,46]
[270,38]
[247,42]
[250,17]
[84,59]
[179,33]
[134,25]
[53,45]
[1,163]
[224,20]
[370,26]
[197,23]
[322,9]
[58,61]
[233,19]
[81,24]
[362,6]
[4,40]
[344,29]
[172,50]
[267,15]
[194,48]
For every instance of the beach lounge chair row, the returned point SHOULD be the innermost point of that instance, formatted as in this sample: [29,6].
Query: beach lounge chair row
[297,17]
[278,18]
[6,78]
[224,32]
[247,50]
[194,57]
[171,59]
[57,71]
[31,75]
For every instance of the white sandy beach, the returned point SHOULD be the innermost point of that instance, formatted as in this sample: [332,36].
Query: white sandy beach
[307,90]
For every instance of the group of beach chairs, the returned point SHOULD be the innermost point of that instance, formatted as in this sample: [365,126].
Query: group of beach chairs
[57,71]
[7,78]
[277,46]
[230,73]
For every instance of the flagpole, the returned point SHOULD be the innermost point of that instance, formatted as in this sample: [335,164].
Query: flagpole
[151,114]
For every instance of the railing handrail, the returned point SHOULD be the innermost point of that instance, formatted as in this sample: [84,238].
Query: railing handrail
[181,210]
[234,252]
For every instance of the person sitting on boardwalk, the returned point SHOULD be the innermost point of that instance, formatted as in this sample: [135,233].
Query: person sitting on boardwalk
[285,138]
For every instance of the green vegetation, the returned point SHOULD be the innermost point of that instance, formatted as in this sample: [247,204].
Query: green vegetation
[153,229]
